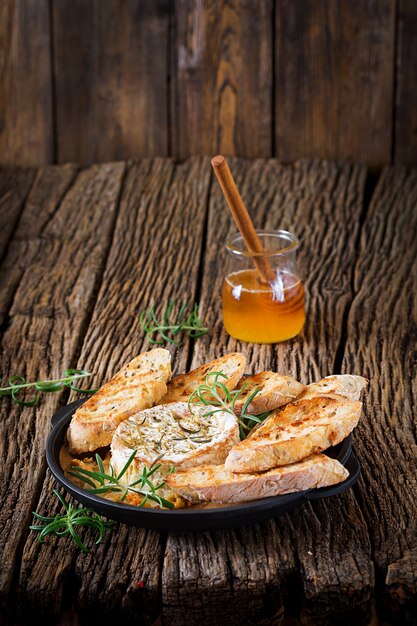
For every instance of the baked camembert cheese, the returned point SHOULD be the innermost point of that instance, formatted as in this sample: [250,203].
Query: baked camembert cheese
[172,436]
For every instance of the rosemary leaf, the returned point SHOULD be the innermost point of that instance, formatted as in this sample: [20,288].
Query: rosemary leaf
[17,384]
[215,393]
[110,483]
[164,331]
[66,523]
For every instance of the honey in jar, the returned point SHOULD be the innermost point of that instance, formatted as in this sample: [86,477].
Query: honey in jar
[259,311]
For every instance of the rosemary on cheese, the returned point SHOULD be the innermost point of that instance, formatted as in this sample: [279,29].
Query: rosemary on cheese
[215,393]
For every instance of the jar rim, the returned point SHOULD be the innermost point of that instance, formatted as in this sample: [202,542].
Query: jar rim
[233,248]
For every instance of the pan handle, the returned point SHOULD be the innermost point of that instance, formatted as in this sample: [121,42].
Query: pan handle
[354,469]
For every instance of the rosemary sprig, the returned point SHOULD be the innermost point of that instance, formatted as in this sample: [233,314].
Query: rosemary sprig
[170,325]
[216,393]
[19,383]
[109,482]
[65,524]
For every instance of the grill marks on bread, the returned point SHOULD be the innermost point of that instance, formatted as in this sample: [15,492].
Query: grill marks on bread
[217,484]
[181,387]
[275,391]
[138,385]
[290,434]
[346,385]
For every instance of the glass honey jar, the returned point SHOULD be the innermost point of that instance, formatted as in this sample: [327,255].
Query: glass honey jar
[262,306]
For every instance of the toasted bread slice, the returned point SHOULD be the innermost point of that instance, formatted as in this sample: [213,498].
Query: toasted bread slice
[295,432]
[181,387]
[345,385]
[172,436]
[216,483]
[275,391]
[139,385]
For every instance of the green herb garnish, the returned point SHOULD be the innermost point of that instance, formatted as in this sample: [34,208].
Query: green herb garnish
[109,482]
[216,393]
[171,325]
[65,524]
[18,384]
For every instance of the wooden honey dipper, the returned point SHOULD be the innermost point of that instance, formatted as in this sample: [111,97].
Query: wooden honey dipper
[242,218]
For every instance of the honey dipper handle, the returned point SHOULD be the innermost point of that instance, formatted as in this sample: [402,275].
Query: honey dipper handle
[242,217]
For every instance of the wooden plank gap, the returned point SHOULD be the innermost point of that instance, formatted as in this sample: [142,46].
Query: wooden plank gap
[369,188]
[200,271]
[54,138]
[170,51]
[405,139]
[273,86]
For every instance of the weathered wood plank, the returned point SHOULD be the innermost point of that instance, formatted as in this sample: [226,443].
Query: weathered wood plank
[334,80]
[321,203]
[26,127]
[14,187]
[234,577]
[50,307]
[405,148]
[49,186]
[116,107]
[154,257]
[222,78]
[381,345]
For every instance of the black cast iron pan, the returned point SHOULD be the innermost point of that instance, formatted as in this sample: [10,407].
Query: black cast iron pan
[218,517]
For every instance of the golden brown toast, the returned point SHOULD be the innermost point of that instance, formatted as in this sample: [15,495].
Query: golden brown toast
[275,391]
[289,435]
[181,387]
[215,483]
[346,385]
[139,385]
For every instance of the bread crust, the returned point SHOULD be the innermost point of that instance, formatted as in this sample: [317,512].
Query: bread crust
[138,385]
[182,386]
[217,484]
[291,434]
[346,385]
[275,391]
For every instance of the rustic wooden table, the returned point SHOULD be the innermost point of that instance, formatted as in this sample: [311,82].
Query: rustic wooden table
[83,251]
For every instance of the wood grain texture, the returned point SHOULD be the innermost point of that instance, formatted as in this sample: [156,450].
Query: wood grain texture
[26,127]
[155,256]
[111,69]
[319,202]
[405,148]
[222,78]
[241,586]
[381,344]
[14,187]
[334,79]
[50,308]
[314,563]
[49,186]
[96,81]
